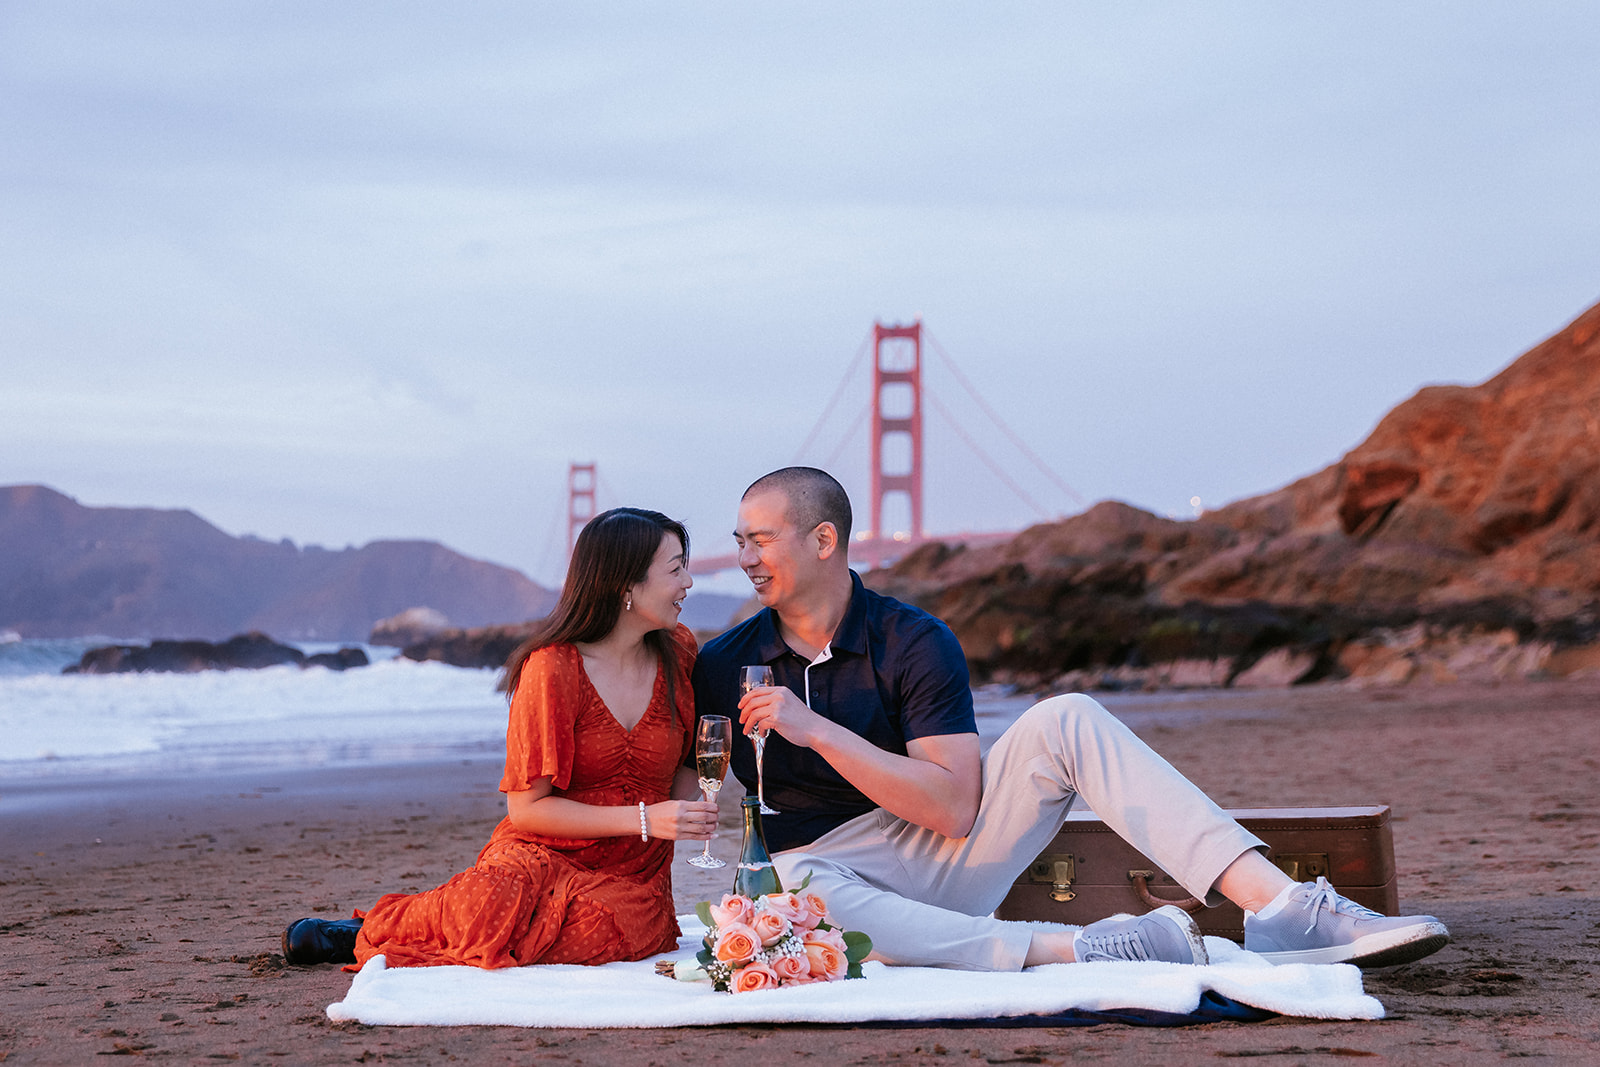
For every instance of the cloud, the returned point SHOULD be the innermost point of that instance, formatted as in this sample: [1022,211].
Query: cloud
[1185,250]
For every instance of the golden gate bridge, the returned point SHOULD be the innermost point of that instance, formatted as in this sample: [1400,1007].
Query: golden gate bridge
[896,438]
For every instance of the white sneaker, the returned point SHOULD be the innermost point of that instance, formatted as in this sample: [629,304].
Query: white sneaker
[1167,934]
[1317,925]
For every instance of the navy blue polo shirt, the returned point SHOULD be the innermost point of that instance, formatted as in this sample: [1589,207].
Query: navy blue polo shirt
[896,674]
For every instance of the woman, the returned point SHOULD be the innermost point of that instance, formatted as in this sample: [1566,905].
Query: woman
[602,720]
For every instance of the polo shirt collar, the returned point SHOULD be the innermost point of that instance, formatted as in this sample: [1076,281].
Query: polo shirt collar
[851,636]
[769,645]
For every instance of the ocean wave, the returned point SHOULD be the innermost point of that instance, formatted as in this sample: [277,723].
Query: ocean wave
[280,714]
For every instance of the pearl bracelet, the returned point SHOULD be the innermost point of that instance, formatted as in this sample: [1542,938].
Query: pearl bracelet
[644,827]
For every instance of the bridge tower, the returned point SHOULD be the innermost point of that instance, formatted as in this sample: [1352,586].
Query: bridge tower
[580,500]
[897,422]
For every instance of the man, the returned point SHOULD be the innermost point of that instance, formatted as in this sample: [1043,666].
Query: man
[873,765]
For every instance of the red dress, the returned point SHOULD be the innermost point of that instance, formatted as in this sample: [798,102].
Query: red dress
[535,899]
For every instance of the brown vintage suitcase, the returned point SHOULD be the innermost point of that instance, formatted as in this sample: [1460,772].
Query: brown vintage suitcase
[1088,872]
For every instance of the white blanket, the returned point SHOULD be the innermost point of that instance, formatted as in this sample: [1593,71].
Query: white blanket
[633,995]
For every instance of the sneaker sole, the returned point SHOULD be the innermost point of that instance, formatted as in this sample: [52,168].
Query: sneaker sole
[1388,949]
[1197,941]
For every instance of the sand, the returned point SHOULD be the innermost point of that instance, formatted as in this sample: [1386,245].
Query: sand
[143,918]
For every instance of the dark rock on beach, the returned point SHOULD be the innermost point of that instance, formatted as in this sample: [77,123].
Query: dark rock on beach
[249,651]
[483,646]
[341,660]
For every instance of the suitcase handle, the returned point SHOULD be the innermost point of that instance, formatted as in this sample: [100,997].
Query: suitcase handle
[1141,885]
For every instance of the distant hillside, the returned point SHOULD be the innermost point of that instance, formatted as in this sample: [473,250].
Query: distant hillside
[68,570]
[1469,509]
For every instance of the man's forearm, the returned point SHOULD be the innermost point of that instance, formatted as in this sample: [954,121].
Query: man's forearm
[938,787]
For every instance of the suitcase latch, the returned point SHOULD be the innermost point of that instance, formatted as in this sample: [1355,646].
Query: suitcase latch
[1302,866]
[1057,870]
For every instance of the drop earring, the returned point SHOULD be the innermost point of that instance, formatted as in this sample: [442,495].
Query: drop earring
[628,606]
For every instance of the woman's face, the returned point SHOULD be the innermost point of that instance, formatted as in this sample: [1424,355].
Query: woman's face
[659,598]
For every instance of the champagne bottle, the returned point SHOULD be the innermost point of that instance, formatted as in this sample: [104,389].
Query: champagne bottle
[755,876]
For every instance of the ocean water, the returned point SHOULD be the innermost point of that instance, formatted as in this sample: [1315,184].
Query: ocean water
[55,725]
[395,711]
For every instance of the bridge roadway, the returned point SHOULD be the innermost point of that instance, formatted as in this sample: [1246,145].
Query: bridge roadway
[873,551]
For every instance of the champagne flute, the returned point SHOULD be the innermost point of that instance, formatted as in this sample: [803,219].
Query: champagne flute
[713,747]
[750,678]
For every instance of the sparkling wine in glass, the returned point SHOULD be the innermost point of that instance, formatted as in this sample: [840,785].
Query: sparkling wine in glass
[713,747]
[757,677]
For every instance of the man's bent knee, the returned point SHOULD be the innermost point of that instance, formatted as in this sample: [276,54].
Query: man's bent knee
[1062,714]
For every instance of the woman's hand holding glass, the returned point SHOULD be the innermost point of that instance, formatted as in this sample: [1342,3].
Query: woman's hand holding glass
[681,820]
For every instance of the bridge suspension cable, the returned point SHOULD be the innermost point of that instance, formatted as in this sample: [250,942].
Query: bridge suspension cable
[853,371]
[848,436]
[876,546]
[1022,446]
[833,401]
[994,467]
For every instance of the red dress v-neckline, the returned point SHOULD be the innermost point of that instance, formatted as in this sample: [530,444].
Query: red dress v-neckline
[650,705]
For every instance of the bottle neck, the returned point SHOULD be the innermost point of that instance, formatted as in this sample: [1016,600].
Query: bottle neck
[756,875]
[754,839]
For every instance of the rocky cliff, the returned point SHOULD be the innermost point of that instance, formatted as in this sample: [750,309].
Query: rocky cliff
[1468,510]
[69,570]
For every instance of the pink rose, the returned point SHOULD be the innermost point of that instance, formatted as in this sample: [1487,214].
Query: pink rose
[794,970]
[736,942]
[832,938]
[733,909]
[754,976]
[825,962]
[769,927]
[785,904]
[816,912]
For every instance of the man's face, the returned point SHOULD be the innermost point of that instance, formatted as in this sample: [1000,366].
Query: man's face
[779,559]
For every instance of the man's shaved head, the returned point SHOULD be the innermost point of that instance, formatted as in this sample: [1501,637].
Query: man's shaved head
[814,498]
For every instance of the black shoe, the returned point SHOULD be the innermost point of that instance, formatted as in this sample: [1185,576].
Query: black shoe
[309,941]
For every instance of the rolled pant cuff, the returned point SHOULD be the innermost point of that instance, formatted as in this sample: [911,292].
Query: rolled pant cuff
[1219,858]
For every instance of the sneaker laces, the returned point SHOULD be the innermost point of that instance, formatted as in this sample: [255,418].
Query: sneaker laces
[1323,895]
[1123,945]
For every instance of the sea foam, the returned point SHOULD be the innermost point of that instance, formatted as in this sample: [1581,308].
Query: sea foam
[176,723]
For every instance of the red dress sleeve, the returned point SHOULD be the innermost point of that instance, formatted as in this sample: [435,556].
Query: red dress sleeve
[541,734]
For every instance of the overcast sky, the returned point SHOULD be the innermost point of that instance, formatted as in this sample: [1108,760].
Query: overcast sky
[340,272]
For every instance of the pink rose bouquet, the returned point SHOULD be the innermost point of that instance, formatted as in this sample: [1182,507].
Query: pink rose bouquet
[781,939]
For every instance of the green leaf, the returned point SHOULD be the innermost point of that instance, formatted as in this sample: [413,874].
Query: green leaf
[805,883]
[857,946]
[854,971]
[705,957]
[703,909]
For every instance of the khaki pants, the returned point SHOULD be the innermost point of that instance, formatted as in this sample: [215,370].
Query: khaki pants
[928,900]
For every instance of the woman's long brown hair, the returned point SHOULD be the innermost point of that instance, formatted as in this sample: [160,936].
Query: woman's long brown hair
[613,551]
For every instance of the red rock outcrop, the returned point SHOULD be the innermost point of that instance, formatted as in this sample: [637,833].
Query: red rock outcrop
[1461,493]
[1468,508]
